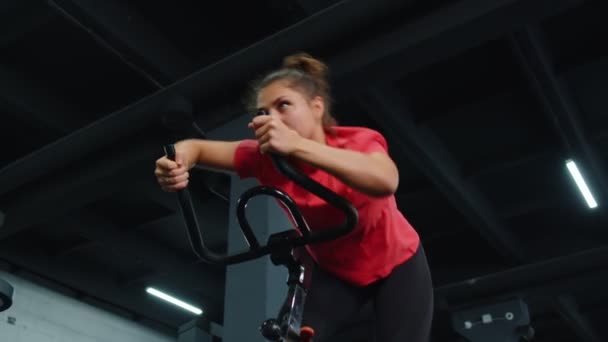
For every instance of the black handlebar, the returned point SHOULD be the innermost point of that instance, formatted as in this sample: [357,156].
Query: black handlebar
[255,249]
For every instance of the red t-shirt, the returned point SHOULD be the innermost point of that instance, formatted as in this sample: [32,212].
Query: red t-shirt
[382,239]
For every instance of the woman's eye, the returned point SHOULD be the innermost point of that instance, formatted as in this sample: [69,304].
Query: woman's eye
[283,104]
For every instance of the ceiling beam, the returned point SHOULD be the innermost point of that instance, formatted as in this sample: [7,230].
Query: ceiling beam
[74,188]
[141,248]
[62,250]
[123,31]
[525,206]
[559,107]
[312,6]
[434,160]
[208,209]
[151,254]
[314,31]
[539,274]
[496,166]
[45,113]
[128,29]
[18,18]
[448,31]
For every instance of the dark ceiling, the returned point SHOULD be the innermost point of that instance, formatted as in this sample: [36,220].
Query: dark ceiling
[482,102]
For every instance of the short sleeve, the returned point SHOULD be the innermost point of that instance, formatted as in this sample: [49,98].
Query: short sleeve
[371,141]
[247,159]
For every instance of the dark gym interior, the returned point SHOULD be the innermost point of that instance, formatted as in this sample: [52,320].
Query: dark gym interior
[482,102]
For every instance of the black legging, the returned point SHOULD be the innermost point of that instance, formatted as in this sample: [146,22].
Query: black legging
[402,304]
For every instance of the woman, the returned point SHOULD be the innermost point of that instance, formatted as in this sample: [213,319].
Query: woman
[382,260]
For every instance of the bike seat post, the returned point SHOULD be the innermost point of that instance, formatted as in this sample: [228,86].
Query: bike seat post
[289,319]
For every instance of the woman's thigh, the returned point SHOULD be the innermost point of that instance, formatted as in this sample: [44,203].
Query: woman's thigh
[403,304]
[331,304]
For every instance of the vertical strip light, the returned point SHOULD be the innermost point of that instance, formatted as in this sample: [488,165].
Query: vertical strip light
[580,182]
[174,300]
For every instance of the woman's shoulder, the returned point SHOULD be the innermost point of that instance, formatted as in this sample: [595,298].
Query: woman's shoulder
[346,136]
[348,131]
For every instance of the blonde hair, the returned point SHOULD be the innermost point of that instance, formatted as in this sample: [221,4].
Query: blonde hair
[304,73]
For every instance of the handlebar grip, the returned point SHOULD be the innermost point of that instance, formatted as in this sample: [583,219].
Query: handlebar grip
[194,234]
[170,151]
[188,212]
[255,250]
[351,214]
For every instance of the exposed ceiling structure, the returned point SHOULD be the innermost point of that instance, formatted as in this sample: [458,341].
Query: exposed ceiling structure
[482,102]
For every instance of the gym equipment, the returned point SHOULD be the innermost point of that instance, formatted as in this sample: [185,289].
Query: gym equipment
[6,295]
[280,246]
[507,321]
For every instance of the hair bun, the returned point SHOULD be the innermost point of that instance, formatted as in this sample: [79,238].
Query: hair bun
[307,64]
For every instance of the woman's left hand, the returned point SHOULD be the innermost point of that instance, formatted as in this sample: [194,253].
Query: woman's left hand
[273,135]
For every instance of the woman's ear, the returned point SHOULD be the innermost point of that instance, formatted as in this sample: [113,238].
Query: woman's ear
[318,107]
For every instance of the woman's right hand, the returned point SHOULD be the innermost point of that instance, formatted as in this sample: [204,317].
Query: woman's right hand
[173,175]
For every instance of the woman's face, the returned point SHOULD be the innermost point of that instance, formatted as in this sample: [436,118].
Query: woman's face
[294,108]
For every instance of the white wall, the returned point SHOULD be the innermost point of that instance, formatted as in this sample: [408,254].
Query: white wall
[43,315]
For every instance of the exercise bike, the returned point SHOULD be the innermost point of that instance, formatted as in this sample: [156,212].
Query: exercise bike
[287,326]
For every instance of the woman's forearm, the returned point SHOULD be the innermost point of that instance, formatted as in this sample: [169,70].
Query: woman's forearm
[211,153]
[374,174]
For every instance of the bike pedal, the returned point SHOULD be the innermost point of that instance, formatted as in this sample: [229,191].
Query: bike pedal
[306,334]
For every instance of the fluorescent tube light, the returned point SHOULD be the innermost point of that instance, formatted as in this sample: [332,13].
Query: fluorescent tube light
[174,300]
[580,182]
